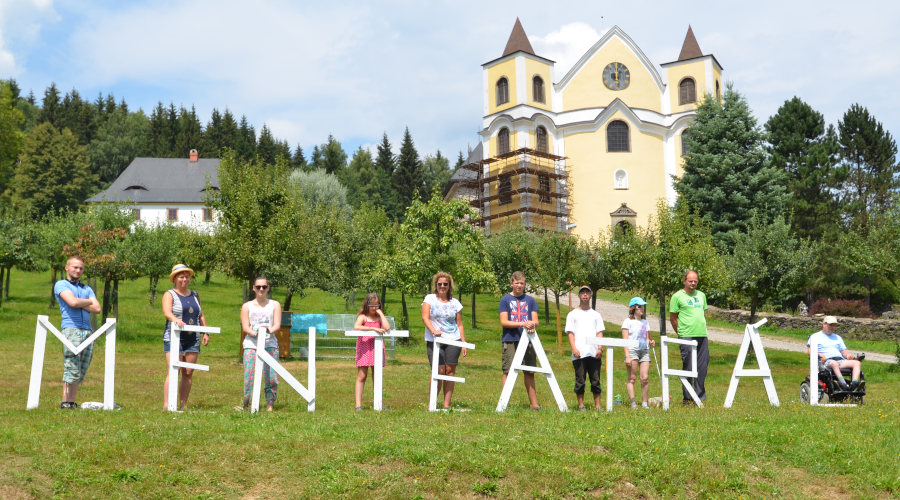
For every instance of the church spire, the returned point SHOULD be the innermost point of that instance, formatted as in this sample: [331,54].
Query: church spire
[518,41]
[690,49]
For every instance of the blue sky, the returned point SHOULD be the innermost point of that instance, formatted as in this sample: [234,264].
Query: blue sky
[358,69]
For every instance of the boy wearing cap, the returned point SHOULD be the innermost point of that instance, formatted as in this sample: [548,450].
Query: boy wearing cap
[76,304]
[582,324]
[833,353]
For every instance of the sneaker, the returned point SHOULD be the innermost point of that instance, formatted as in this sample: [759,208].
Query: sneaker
[238,408]
[645,406]
[581,408]
[633,404]
[359,408]
[854,385]
[68,405]
[537,408]
[842,384]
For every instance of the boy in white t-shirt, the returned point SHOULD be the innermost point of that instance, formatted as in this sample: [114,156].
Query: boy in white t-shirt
[582,324]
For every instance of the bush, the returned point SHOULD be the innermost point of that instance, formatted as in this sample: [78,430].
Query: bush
[842,307]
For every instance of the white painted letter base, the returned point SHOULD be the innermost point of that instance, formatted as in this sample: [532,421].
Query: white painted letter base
[264,357]
[40,346]
[435,376]
[543,367]
[611,342]
[681,374]
[751,337]
[379,357]
[175,361]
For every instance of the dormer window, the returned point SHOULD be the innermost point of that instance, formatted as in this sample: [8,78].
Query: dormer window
[136,187]
[502,91]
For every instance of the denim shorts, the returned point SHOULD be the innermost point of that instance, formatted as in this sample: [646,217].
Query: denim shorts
[190,342]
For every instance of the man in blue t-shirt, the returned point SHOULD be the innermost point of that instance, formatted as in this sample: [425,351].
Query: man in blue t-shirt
[76,304]
[834,355]
[518,311]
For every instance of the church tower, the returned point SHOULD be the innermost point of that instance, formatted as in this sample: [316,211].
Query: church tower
[598,148]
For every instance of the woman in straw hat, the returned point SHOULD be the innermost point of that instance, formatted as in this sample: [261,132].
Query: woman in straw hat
[181,306]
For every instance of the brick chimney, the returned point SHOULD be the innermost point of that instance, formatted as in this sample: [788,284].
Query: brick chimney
[195,156]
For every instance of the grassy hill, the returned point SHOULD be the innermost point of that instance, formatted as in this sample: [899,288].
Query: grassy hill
[212,451]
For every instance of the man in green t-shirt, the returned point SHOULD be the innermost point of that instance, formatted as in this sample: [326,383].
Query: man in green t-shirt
[687,317]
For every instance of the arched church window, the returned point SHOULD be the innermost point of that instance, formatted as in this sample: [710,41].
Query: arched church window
[541,136]
[684,136]
[504,189]
[687,91]
[503,141]
[617,137]
[537,88]
[502,91]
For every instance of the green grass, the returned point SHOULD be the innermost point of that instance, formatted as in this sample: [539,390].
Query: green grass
[211,451]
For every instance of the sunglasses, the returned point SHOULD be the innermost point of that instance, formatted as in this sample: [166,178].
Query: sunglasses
[443,284]
[261,287]
[374,305]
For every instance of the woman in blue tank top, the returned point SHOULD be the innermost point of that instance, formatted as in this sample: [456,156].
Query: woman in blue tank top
[181,306]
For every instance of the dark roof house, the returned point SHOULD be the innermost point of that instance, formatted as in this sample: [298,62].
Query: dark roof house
[162,180]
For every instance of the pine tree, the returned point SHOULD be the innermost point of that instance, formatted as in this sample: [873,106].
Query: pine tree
[156,144]
[212,135]
[11,135]
[230,134]
[726,172]
[79,116]
[437,173]
[53,173]
[245,146]
[50,107]
[334,159]
[800,145]
[870,155]
[408,179]
[298,161]
[387,163]
[266,149]
[190,133]
[117,143]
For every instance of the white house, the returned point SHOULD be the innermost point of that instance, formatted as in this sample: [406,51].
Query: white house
[166,190]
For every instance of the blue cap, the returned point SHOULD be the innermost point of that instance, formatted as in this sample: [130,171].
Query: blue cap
[637,301]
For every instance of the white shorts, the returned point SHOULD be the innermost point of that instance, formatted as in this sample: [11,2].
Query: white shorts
[642,355]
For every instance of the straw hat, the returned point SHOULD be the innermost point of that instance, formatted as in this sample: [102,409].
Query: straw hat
[179,268]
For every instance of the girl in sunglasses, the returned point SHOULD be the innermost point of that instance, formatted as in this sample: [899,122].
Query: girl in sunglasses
[261,315]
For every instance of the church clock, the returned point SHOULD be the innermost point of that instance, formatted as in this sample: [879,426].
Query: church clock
[616,76]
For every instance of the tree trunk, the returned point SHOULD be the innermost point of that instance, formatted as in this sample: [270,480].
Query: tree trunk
[593,301]
[245,298]
[106,296]
[405,313]
[154,282]
[115,297]
[208,275]
[867,282]
[473,311]
[287,300]
[754,304]
[559,343]
[1,281]
[662,312]
[6,288]
[52,285]
[546,307]
[383,296]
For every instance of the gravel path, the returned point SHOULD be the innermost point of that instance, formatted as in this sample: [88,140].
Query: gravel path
[614,314]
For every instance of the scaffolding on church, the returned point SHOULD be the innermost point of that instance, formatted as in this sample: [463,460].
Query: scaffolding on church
[525,187]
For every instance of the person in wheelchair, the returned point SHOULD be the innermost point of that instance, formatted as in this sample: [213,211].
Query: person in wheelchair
[834,356]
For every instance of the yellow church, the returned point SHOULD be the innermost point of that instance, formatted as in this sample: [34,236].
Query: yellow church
[598,148]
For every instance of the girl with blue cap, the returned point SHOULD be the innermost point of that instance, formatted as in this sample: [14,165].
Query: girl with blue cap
[637,359]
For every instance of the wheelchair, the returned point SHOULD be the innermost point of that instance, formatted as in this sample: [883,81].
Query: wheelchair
[830,389]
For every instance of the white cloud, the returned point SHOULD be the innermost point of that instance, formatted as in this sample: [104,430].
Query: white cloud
[565,46]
